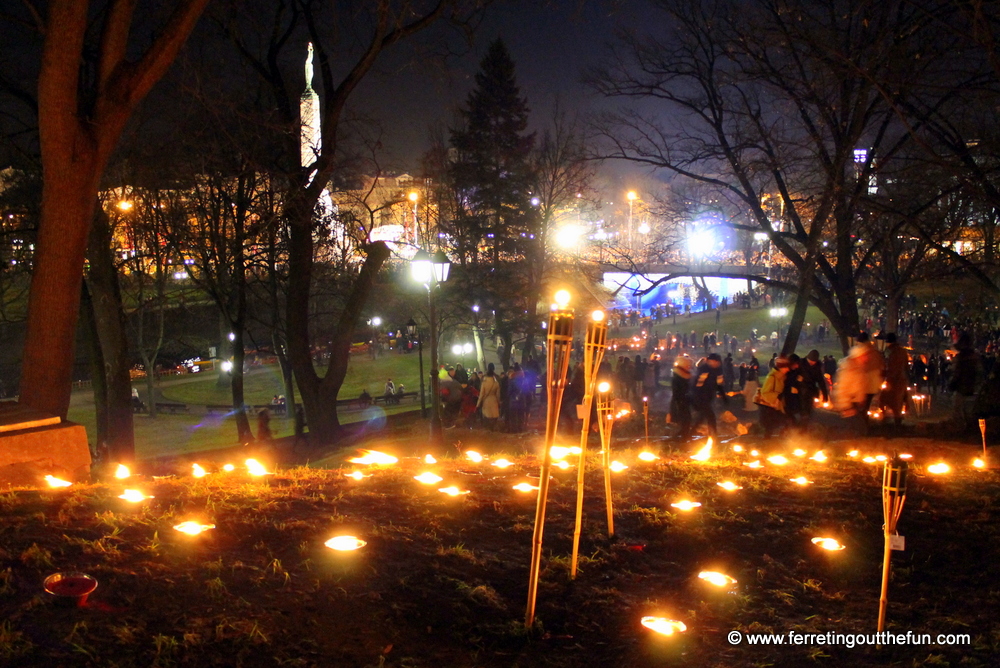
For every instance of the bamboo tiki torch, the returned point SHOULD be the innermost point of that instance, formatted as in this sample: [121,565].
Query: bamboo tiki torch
[605,422]
[560,340]
[597,334]
[982,430]
[893,497]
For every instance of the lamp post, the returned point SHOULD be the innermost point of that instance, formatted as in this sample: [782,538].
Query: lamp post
[432,271]
[374,322]
[414,196]
[411,330]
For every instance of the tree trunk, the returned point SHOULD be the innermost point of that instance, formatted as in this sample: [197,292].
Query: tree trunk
[243,432]
[105,293]
[97,383]
[799,313]
[892,311]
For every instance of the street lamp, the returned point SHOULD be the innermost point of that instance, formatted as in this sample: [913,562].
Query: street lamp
[375,322]
[631,197]
[431,272]
[414,196]
[411,331]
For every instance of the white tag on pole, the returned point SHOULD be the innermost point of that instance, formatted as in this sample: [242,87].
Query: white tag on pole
[897,543]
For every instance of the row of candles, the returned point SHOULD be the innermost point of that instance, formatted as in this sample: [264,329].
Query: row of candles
[558,454]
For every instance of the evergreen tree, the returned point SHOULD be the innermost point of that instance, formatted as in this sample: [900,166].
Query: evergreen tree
[495,225]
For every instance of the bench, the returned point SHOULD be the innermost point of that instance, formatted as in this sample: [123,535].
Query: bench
[276,409]
[396,398]
[172,407]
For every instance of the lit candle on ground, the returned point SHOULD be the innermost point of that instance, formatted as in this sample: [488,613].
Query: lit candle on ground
[729,486]
[193,528]
[134,496]
[828,544]
[717,579]
[345,543]
[685,505]
[664,626]
[122,472]
[428,478]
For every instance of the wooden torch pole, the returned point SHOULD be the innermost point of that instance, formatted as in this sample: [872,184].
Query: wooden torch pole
[893,497]
[597,333]
[560,340]
[606,422]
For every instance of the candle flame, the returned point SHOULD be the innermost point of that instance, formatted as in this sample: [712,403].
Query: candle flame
[703,454]
[820,457]
[561,465]
[880,458]
[799,452]
[345,543]
[828,544]
[648,457]
[373,457]
[755,453]
[617,467]
[869,460]
[525,487]
[778,460]
[906,455]
[558,452]
[667,627]
[255,468]
[978,463]
[473,456]
[576,450]
[122,472]
[853,453]
[754,464]
[717,579]
[429,459]
[453,491]
[57,482]
[801,480]
[685,505]
[737,448]
[502,463]
[428,478]
[357,475]
[197,471]
[229,468]
[134,496]
[193,528]
[729,486]
[938,469]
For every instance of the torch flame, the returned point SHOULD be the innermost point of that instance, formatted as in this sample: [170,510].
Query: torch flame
[122,472]
[502,463]
[801,480]
[667,627]
[197,471]
[57,482]
[473,456]
[906,455]
[978,463]
[853,453]
[617,467]
[717,579]
[428,478]
[561,465]
[429,459]
[255,468]
[525,487]
[938,469]
[648,457]
[703,454]
[345,543]
[685,505]
[193,528]
[828,544]
[729,486]
[576,450]
[558,452]
[453,491]
[374,457]
[134,496]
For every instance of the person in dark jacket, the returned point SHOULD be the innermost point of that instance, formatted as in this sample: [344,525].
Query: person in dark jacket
[813,385]
[792,392]
[705,384]
[680,400]
[964,374]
